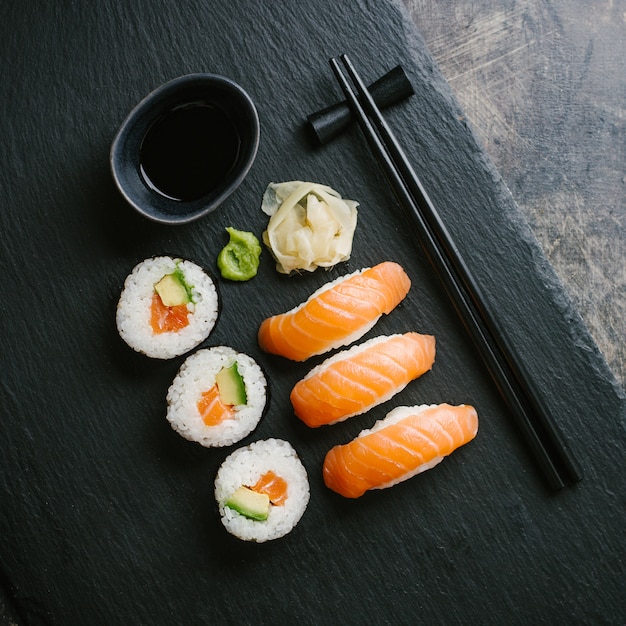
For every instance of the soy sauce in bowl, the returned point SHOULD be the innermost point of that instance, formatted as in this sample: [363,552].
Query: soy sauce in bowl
[189,151]
[185,148]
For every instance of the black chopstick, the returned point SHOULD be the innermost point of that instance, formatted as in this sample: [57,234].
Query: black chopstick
[537,426]
[544,421]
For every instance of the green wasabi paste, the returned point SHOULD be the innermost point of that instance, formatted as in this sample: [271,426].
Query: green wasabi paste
[239,258]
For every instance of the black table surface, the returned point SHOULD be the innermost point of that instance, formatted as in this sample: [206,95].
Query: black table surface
[107,515]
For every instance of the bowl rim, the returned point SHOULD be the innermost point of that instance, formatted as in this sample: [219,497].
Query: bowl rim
[206,204]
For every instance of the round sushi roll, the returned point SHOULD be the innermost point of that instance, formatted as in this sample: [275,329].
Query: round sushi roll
[217,397]
[167,307]
[262,490]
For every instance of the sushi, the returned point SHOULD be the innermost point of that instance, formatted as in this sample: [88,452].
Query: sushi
[167,307]
[408,441]
[359,378]
[336,315]
[262,490]
[217,397]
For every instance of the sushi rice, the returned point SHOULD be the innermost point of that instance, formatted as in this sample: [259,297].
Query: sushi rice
[195,376]
[134,306]
[243,468]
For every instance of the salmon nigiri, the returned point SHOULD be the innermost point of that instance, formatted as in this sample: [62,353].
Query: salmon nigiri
[361,377]
[408,441]
[337,314]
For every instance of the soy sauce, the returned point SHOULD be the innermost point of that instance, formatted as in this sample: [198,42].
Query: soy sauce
[188,151]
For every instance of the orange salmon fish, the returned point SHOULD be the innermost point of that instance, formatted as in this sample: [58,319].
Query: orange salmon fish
[337,314]
[357,379]
[408,441]
[167,319]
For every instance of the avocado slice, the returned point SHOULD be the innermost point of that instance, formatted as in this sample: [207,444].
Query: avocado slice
[249,503]
[231,386]
[172,290]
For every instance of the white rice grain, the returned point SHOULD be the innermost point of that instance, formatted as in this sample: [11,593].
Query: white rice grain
[134,307]
[197,375]
[243,468]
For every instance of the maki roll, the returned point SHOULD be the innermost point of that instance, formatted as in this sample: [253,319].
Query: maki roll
[217,397]
[167,307]
[262,490]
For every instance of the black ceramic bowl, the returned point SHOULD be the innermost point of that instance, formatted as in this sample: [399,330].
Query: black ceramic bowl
[185,148]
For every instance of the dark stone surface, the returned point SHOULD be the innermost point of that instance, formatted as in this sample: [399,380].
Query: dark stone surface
[107,515]
[543,86]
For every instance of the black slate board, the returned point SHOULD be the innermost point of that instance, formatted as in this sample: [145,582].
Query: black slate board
[107,514]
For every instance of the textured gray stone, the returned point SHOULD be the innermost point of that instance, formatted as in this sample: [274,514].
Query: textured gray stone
[107,514]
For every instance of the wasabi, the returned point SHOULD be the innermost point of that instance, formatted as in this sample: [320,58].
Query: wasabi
[239,258]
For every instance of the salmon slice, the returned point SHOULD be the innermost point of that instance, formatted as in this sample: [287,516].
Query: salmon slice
[211,408]
[361,377]
[273,486]
[337,314]
[408,441]
[167,319]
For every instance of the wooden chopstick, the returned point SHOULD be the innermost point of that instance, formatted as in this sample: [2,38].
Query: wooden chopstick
[535,422]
